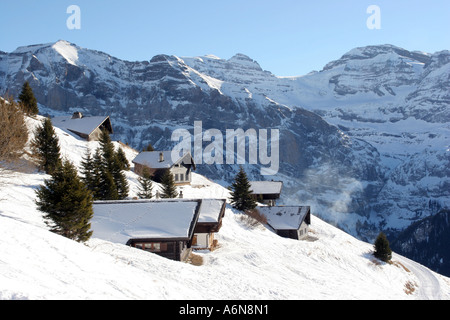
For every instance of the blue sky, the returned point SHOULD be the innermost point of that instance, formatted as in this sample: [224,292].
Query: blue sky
[287,37]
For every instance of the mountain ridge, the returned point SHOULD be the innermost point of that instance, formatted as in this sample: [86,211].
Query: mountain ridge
[349,133]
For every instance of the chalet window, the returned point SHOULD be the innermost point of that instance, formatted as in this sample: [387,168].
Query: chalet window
[151,247]
[176,177]
[181,177]
[154,247]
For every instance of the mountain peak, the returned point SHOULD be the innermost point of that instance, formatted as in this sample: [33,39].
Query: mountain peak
[371,51]
[374,50]
[241,56]
[64,48]
[245,60]
[64,43]
[67,50]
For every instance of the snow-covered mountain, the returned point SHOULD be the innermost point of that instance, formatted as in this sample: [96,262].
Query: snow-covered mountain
[365,141]
[250,264]
[425,241]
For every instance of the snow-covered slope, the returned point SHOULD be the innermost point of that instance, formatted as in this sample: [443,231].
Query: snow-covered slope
[249,263]
[357,138]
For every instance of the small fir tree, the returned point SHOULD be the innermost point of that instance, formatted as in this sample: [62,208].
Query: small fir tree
[45,146]
[149,148]
[107,149]
[96,176]
[169,189]
[122,160]
[113,182]
[241,195]
[145,185]
[28,100]
[87,165]
[107,189]
[382,249]
[67,203]
[121,182]
[91,169]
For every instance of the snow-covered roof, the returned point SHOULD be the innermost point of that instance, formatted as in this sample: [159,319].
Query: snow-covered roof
[121,221]
[210,210]
[85,125]
[285,217]
[151,159]
[266,187]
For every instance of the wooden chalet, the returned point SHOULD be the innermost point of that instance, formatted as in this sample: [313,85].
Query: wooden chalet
[267,192]
[163,227]
[87,128]
[158,162]
[209,222]
[288,221]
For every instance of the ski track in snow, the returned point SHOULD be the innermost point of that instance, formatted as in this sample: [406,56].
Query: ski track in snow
[429,287]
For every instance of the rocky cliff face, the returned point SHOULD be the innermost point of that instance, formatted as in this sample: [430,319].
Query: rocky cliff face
[364,141]
[426,241]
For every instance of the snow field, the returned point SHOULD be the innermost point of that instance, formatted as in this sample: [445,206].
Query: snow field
[251,264]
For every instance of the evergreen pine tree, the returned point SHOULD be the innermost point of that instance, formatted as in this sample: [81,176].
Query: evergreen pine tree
[121,182]
[241,197]
[28,100]
[113,182]
[91,168]
[149,148]
[87,164]
[46,147]
[96,176]
[169,189]
[145,185]
[107,149]
[107,188]
[67,203]
[382,248]
[122,159]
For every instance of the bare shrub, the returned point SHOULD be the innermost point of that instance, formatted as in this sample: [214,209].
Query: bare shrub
[258,216]
[13,131]
[400,265]
[410,287]
[215,245]
[253,218]
[195,259]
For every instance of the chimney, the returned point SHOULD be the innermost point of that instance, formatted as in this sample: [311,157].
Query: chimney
[161,157]
[77,115]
